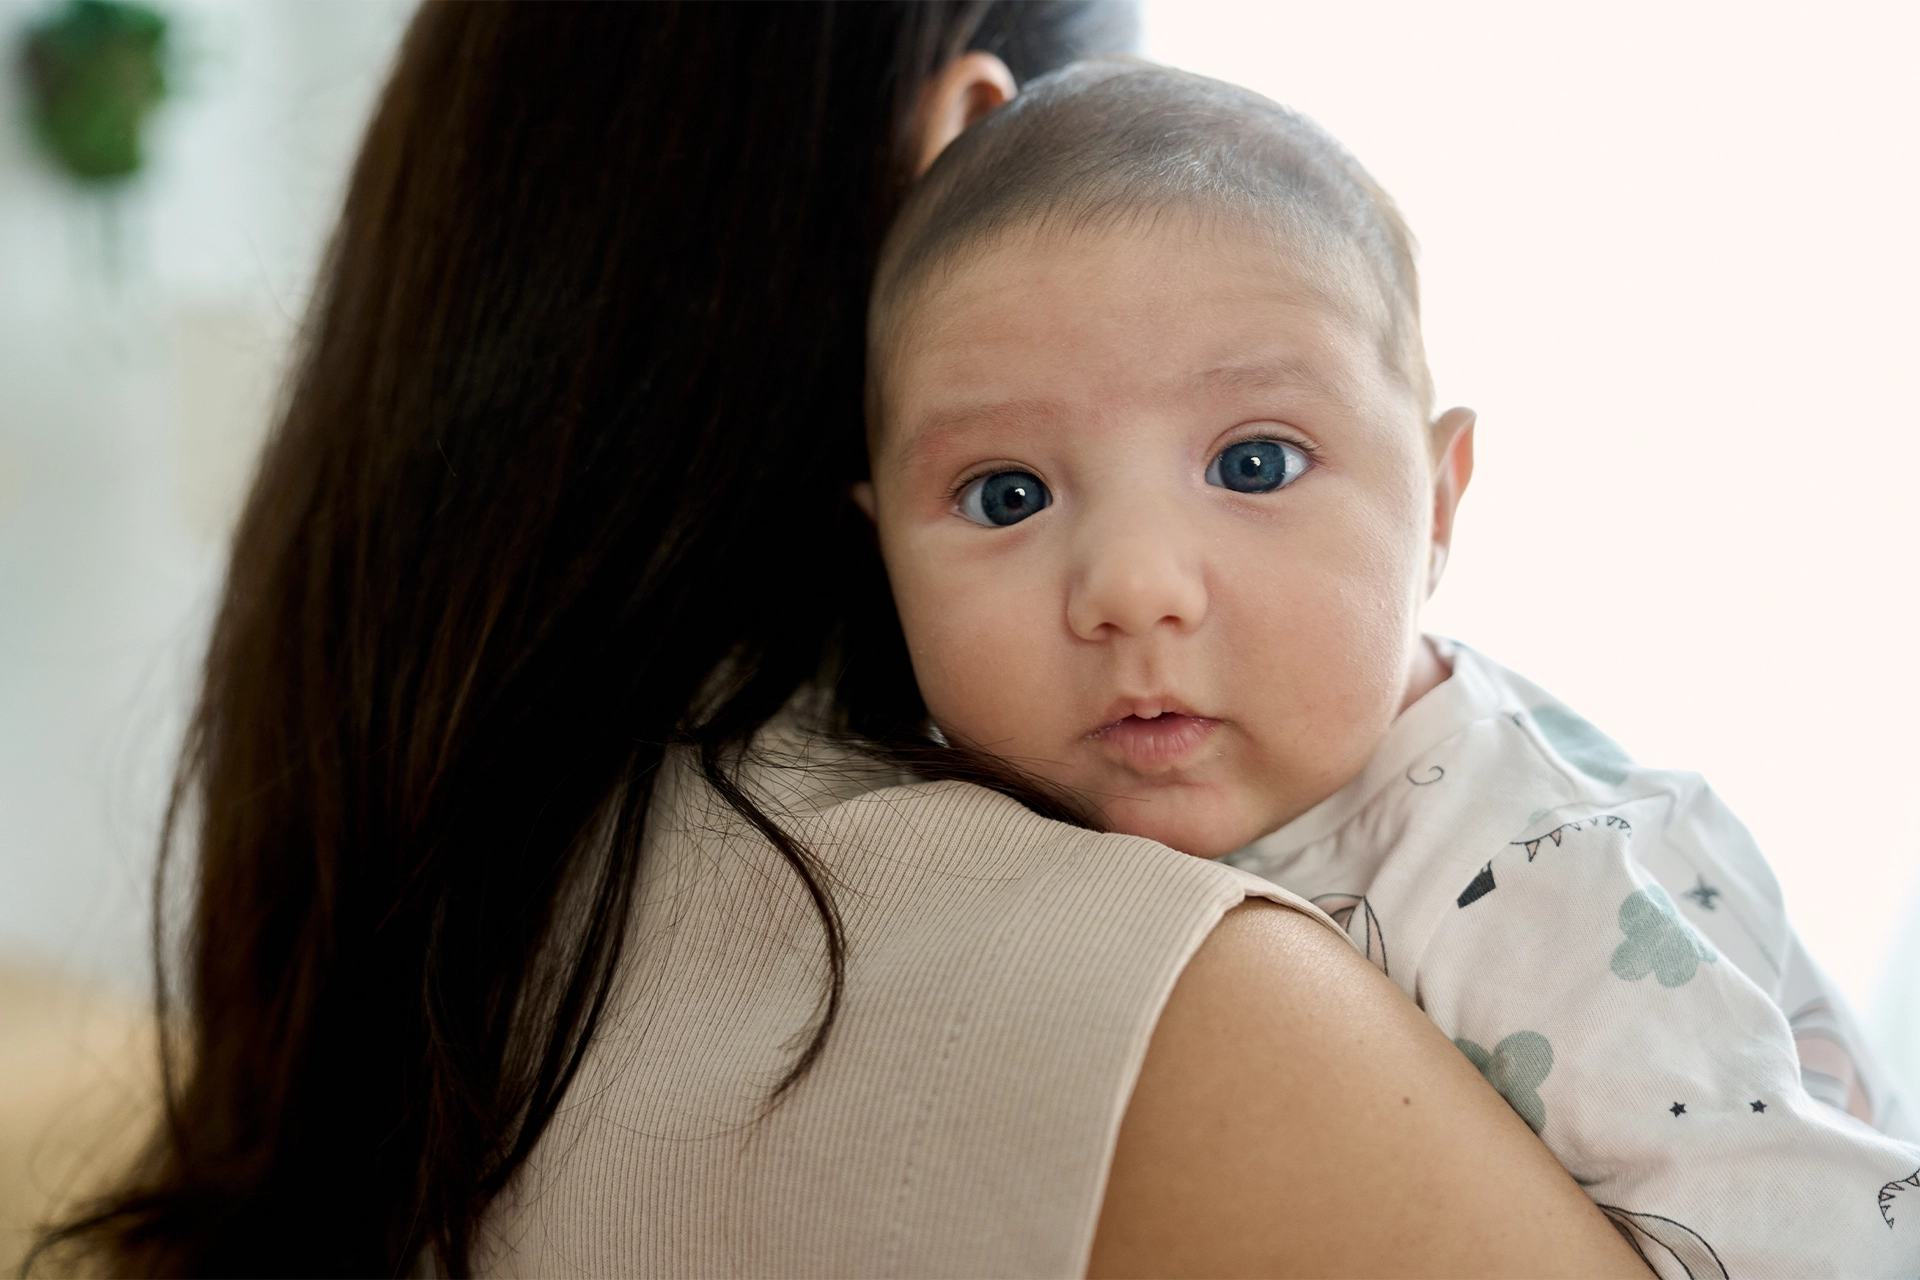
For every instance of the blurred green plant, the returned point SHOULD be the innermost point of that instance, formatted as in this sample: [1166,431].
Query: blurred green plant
[94,70]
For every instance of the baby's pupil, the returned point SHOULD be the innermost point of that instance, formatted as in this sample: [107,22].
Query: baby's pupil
[1011,497]
[1253,466]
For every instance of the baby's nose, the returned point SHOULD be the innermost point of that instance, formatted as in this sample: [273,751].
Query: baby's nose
[1136,575]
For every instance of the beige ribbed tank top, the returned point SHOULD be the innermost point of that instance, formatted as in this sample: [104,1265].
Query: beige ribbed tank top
[1004,974]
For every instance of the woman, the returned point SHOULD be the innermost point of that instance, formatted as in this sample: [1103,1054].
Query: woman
[561,485]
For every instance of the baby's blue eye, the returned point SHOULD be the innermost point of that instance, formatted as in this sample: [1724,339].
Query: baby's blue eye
[1257,466]
[1004,498]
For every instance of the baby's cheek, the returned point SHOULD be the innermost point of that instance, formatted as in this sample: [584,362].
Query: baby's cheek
[979,656]
[1320,659]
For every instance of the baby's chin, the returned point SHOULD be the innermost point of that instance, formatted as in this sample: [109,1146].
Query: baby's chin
[1193,825]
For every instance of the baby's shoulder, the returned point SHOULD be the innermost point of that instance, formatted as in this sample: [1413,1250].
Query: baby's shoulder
[1524,756]
[1530,803]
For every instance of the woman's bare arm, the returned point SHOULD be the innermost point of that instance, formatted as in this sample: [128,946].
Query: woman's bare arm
[1297,1116]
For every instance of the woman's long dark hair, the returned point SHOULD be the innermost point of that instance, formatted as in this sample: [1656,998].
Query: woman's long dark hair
[578,410]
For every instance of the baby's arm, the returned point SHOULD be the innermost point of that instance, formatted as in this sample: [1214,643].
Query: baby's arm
[1710,865]
[1663,1078]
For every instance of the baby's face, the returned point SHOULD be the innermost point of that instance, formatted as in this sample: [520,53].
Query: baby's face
[1159,521]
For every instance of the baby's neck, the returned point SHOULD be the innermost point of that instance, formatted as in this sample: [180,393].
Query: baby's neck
[1427,672]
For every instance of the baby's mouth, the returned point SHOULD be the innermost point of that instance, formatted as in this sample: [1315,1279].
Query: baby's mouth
[1157,742]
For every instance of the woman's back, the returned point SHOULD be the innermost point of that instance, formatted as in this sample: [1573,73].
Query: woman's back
[1004,976]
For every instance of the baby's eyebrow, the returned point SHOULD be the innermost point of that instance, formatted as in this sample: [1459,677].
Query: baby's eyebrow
[936,428]
[1264,375]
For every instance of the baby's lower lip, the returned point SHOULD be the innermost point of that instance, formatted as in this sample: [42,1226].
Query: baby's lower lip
[1157,743]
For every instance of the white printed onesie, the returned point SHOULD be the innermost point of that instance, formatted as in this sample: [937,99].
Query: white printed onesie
[1606,944]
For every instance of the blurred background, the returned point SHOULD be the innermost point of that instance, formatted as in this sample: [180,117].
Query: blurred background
[1667,254]
[143,323]
[144,318]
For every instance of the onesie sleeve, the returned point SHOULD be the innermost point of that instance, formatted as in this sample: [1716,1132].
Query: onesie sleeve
[1708,862]
[1662,1076]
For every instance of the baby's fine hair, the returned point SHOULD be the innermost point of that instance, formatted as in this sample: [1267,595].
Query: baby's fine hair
[1108,143]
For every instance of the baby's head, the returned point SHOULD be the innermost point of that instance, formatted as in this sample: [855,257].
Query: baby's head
[1154,468]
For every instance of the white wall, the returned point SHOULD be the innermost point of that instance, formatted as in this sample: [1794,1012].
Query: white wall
[131,403]
[1669,255]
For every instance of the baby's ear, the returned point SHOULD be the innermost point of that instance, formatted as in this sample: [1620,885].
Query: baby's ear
[1452,469]
[862,495]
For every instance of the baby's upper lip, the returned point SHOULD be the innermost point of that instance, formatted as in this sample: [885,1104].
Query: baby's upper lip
[1146,708]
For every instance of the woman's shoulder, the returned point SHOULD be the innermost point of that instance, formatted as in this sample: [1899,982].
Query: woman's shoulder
[1296,1115]
[880,822]
[1003,977]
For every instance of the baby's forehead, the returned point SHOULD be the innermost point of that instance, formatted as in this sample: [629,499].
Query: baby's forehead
[1193,293]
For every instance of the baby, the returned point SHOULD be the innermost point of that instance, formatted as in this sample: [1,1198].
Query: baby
[1161,494]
